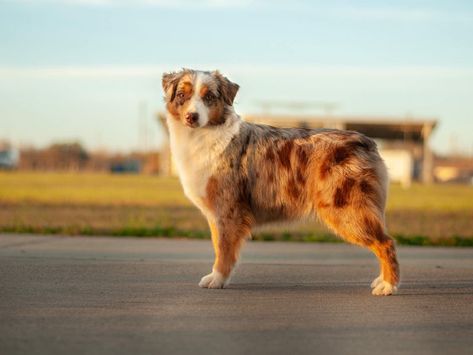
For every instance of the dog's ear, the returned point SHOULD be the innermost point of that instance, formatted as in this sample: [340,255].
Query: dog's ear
[169,82]
[227,89]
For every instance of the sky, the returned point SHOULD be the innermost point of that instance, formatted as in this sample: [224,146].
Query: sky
[90,70]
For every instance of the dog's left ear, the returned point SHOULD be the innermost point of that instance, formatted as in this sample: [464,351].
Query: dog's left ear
[227,89]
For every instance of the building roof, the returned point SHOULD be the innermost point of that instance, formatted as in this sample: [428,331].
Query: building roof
[394,128]
[465,163]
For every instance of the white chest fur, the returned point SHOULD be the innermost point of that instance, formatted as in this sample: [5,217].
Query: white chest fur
[196,153]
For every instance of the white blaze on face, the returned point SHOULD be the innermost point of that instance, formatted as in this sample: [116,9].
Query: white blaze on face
[196,104]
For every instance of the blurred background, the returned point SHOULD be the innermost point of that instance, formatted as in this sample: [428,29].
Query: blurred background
[83,149]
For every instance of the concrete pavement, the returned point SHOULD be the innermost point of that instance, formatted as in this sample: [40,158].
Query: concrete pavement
[76,295]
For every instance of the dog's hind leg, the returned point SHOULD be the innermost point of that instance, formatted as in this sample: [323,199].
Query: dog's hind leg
[384,249]
[227,239]
[365,227]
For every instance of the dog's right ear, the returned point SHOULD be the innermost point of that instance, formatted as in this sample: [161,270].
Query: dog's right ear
[169,82]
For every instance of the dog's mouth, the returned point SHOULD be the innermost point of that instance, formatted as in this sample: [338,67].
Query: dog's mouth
[192,124]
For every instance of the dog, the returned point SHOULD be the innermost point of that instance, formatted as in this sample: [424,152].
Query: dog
[241,175]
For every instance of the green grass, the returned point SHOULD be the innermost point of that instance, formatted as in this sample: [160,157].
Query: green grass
[445,198]
[137,205]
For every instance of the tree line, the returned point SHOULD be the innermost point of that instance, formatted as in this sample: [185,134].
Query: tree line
[72,156]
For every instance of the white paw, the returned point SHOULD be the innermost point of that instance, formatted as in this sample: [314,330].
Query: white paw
[213,280]
[377,281]
[384,288]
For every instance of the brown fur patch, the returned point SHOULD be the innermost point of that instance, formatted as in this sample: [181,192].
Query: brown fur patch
[341,154]
[366,187]
[303,161]
[203,90]
[302,157]
[284,154]
[342,194]
[187,88]
[374,229]
[325,168]
[269,154]
[300,177]
[293,189]
[369,187]
[212,190]
[217,113]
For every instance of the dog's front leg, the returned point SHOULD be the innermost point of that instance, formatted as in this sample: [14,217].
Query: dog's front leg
[227,239]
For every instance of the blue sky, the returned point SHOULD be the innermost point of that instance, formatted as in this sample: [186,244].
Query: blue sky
[81,69]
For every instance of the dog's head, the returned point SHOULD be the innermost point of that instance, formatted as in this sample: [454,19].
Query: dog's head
[198,98]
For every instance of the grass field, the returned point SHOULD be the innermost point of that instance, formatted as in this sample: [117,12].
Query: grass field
[150,205]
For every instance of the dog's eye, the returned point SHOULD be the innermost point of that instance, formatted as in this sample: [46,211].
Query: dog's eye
[209,97]
[181,97]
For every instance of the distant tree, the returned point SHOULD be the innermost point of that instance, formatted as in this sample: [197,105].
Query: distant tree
[58,156]
[73,156]
[66,156]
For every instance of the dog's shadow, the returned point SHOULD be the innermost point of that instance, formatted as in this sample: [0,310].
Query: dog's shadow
[458,287]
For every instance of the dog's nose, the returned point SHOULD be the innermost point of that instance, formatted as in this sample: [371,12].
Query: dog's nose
[192,117]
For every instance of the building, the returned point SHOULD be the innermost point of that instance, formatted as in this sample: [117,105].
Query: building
[403,141]
[9,156]
[456,169]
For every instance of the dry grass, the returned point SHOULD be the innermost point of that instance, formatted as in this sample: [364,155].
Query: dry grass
[90,189]
[142,190]
[150,205]
[443,198]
